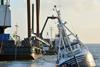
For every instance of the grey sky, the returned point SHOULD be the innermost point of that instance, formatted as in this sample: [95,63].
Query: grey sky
[83,15]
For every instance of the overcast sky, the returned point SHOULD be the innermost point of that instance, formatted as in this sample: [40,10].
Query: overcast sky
[82,15]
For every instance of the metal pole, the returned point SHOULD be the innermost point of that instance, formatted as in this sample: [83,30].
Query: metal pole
[28,18]
[37,19]
[37,15]
[32,18]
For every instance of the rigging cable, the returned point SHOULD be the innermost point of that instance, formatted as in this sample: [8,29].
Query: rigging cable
[73,28]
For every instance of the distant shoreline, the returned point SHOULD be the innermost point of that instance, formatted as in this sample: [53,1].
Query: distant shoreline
[92,43]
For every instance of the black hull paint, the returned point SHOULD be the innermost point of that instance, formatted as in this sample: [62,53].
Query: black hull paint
[17,57]
[10,51]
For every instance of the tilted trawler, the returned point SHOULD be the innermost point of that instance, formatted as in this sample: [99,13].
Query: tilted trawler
[71,52]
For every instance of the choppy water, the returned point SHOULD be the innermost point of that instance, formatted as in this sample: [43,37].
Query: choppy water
[49,61]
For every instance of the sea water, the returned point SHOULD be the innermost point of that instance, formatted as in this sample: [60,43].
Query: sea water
[49,61]
[95,50]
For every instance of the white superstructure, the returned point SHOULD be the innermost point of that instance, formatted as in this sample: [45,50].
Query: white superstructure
[5,13]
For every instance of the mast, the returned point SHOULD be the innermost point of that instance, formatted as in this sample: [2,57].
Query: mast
[28,18]
[62,35]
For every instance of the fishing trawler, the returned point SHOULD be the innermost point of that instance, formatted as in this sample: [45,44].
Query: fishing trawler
[71,52]
[11,49]
[14,49]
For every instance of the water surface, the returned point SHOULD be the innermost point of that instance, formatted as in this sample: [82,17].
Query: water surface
[49,61]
